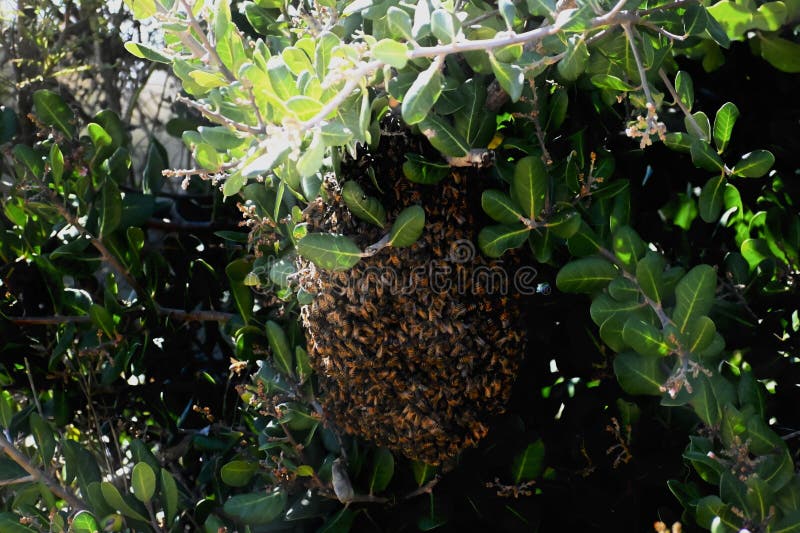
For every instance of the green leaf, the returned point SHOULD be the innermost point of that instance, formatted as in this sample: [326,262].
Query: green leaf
[628,246]
[56,160]
[508,12]
[694,20]
[712,198]
[7,408]
[500,207]
[685,88]
[701,334]
[754,164]
[367,208]
[573,64]
[399,23]
[420,170]
[529,186]
[238,473]
[142,9]
[703,156]
[84,522]
[723,125]
[102,319]
[442,25]
[585,275]
[694,296]
[408,226]
[422,94]
[528,464]
[33,162]
[443,136]
[639,374]
[53,111]
[142,51]
[781,53]
[10,523]
[118,503]
[143,482]
[755,251]
[649,274]
[279,344]
[645,338]
[751,392]
[494,241]
[329,251]
[611,83]
[679,141]
[510,77]
[382,470]
[311,160]
[789,523]
[423,472]
[702,121]
[256,509]
[304,107]
[237,271]
[110,208]
[474,122]
[565,223]
[391,52]
[43,435]
[169,491]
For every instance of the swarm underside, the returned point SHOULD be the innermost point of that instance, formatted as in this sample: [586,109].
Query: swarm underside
[402,361]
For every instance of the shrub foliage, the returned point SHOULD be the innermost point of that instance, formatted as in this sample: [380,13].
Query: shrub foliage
[665,224]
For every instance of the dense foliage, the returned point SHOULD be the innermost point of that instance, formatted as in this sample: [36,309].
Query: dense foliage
[639,157]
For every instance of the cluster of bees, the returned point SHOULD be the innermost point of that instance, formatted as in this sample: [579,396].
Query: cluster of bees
[419,370]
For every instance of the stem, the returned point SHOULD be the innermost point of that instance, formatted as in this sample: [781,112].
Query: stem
[656,306]
[353,81]
[215,116]
[33,388]
[37,475]
[615,16]
[626,27]
[690,119]
[209,48]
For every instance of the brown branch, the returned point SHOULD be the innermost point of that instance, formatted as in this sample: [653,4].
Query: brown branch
[37,475]
[48,320]
[199,315]
[427,488]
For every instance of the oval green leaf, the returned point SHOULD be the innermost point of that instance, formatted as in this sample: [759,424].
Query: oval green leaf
[329,251]
[408,226]
[256,509]
[143,482]
[585,275]
[754,164]
[529,186]
[367,208]
[495,240]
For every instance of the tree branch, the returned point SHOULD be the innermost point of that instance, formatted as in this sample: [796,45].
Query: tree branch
[37,475]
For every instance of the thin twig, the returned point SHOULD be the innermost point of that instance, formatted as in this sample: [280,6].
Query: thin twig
[48,320]
[427,488]
[210,49]
[55,487]
[353,81]
[537,124]
[8,482]
[219,117]
[33,388]
[199,315]
[626,27]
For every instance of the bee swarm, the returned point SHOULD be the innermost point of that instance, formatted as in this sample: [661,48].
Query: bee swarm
[404,359]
